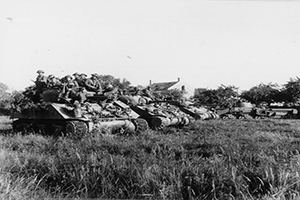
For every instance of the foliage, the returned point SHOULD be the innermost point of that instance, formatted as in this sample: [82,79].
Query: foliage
[5,99]
[267,93]
[3,88]
[116,82]
[291,90]
[222,97]
[172,94]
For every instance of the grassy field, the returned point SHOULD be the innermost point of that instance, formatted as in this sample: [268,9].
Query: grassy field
[219,159]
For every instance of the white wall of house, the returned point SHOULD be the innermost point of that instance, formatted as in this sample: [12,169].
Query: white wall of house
[189,90]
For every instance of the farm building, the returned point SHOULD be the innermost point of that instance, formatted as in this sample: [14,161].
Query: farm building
[178,84]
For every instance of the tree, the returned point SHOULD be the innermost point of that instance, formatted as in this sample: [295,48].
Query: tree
[5,98]
[222,97]
[291,91]
[116,82]
[172,94]
[268,93]
[3,88]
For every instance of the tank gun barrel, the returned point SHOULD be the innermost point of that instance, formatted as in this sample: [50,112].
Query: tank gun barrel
[125,124]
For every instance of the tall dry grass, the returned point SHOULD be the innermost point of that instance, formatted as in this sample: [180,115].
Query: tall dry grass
[248,159]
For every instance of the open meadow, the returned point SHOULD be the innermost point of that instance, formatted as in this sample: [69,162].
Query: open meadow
[217,159]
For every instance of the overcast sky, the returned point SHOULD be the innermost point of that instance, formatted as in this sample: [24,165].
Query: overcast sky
[207,43]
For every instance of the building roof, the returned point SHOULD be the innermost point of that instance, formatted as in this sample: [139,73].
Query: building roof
[163,85]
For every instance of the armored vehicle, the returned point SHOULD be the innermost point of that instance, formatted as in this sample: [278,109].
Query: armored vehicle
[198,113]
[158,114]
[53,117]
[242,111]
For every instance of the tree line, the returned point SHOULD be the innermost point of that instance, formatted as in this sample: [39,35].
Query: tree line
[228,96]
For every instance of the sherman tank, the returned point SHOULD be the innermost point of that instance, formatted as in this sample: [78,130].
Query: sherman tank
[198,113]
[243,110]
[158,114]
[53,117]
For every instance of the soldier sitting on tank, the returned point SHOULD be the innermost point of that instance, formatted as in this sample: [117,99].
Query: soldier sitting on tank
[111,92]
[69,89]
[80,79]
[148,92]
[41,78]
[79,95]
[40,83]
[93,84]
[53,82]
[83,78]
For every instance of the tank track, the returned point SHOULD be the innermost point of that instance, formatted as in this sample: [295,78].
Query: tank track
[76,129]
[156,123]
[141,125]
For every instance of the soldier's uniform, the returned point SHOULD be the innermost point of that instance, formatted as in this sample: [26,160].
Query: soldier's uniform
[40,83]
[79,79]
[93,84]
[41,79]
[53,82]
[148,93]
[70,87]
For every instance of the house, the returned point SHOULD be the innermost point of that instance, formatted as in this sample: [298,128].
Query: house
[178,84]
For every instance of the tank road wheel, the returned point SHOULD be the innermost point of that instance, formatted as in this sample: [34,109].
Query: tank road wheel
[141,125]
[229,116]
[18,125]
[76,129]
[247,116]
[157,123]
[22,126]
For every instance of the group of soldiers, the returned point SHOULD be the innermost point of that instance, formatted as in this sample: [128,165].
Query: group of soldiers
[69,86]
[79,86]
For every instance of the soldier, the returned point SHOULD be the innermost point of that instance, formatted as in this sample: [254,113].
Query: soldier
[93,84]
[41,77]
[147,92]
[70,87]
[41,83]
[79,78]
[80,96]
[50,82]
[53,82]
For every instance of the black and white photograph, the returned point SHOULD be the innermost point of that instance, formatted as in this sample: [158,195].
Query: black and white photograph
[150,99]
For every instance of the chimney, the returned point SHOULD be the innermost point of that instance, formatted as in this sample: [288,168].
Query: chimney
[150,82]
[178,79]
[183,88]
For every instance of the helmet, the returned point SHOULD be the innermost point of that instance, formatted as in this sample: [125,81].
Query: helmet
[95,75]
[40,71]
[68,77]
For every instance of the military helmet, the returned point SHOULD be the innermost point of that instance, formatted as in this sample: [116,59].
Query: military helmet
[68,77]
[51,76]
[40,71]
[76,73]
[95,75]
[83,75]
